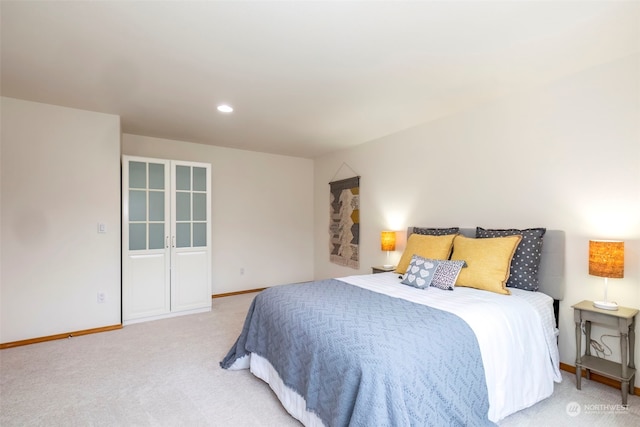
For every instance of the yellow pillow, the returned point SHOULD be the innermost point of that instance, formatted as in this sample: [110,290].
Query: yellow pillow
[426,246]
[488,261]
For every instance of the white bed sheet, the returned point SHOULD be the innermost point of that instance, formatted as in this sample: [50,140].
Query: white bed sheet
[521,363]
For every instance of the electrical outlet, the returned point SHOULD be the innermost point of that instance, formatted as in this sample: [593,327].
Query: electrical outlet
[102,297]
[242,271]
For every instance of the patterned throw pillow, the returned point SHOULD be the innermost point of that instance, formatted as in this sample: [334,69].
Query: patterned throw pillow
[436,231]
[446,274]
[420,272]
[526,260]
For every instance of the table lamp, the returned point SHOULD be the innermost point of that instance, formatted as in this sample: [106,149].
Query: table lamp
[606,259]
[388,243]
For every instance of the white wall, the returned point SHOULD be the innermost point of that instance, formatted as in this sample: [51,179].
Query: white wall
[60,176]
[262,209]
[565,156]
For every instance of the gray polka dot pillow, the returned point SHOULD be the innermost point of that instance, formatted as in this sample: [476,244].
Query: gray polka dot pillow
[436,231]
[526,260]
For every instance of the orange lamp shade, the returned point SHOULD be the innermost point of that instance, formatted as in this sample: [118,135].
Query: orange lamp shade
[388,240]
[606,258]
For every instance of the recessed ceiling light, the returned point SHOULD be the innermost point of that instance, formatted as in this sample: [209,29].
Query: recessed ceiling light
[224,108]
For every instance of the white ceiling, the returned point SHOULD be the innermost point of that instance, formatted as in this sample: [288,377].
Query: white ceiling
[305,78]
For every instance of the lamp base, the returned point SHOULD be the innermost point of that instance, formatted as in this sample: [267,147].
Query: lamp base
[605,305]
[387,265]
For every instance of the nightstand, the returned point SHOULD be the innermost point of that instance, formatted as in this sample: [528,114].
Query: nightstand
[624,321]
[382,269]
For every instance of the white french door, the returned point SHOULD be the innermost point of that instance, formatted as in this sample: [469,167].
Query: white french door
[190,231]
[166,238]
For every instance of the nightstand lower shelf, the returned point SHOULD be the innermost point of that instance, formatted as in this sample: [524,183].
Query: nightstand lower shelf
[605,367]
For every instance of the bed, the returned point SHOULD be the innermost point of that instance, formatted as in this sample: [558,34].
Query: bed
[370,350]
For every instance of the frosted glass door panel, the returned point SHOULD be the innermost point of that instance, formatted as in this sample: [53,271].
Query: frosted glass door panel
[199,179]
[156,236]
[183,206]
[183,235]
[156,205]
[137,175]
[137,205]
[199,207]
[183,178]
[156,176]
[137,237]
[199,234]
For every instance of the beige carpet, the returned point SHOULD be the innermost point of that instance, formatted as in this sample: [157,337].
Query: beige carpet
[166,373]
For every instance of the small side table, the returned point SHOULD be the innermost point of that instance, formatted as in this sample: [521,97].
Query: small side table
[624,321]
[382,269]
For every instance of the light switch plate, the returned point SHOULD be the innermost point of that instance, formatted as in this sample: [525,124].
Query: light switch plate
[102,227]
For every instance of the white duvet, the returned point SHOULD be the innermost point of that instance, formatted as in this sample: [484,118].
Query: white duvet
[516,335]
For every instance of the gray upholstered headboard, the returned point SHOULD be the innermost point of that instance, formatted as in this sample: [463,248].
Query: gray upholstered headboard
[551,273]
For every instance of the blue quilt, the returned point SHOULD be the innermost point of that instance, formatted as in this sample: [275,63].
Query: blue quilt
[360,358]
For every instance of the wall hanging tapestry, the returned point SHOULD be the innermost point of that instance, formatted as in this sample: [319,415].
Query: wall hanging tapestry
[344,227]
